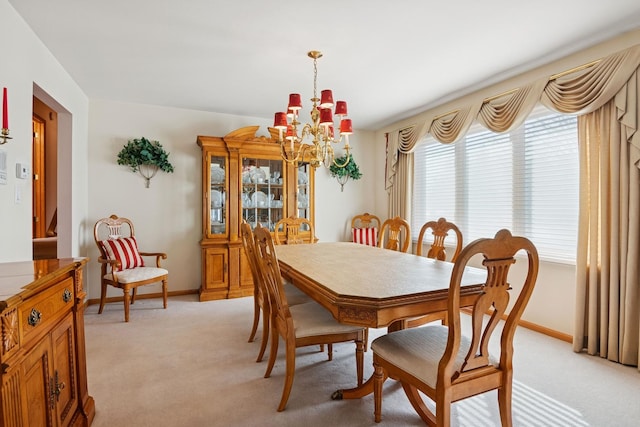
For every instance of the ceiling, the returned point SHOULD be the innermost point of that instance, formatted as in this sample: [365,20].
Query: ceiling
[387,59]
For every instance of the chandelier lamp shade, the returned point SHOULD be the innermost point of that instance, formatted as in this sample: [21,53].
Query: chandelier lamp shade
[313,142]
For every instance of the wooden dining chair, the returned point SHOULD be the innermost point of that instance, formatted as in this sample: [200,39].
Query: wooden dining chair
[447,365]
[364,229]
[395,234]
[440,230]
[392,232]
[260,300]
[293,231]
[121,263]
[298,325]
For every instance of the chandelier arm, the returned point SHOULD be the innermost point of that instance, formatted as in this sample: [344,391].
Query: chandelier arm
[306,131]
[327,154]
[285,154]
[342,165]
[303,151]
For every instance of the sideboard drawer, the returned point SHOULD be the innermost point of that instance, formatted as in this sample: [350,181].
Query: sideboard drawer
[37,313]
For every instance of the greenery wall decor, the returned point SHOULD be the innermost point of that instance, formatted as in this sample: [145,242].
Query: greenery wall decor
[145,157]
[351,170]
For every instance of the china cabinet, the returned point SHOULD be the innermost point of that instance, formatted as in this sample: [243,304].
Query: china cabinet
[244,178]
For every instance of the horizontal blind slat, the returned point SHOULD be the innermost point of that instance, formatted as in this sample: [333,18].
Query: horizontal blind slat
[525,180]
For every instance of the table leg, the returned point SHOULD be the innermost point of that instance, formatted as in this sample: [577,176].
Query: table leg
[354,393]
[366,388]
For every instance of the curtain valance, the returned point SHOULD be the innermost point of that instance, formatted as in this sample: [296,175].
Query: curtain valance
[575,92]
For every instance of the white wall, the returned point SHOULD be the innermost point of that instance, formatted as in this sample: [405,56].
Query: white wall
[25,62]
[335,208]
[167,215]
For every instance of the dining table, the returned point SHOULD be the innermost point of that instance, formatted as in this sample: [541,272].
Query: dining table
[373,287]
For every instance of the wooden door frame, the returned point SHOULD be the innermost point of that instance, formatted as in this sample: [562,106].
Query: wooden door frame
[39,178]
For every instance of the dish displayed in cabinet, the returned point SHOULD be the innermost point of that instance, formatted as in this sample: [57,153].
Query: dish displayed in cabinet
[216,199]
[259,199]
[258,175]
[217,174]
[262,219]
[217,227]
[303,201]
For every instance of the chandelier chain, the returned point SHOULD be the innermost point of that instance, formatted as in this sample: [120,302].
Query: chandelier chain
[315,80]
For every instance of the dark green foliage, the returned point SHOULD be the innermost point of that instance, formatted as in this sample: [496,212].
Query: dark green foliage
[351,169]
[144,152]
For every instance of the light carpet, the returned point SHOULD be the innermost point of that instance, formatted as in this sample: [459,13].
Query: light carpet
[191,365]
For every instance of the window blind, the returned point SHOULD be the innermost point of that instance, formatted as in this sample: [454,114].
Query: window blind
[525,180]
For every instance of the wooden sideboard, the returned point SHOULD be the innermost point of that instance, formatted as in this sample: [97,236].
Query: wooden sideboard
[42,355]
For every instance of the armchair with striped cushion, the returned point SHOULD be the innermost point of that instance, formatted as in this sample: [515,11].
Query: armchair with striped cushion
[122,264]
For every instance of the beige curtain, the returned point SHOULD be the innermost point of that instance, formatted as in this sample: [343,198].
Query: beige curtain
[399,171]
[607,281]
[606,95]
[607,304]
[399,200]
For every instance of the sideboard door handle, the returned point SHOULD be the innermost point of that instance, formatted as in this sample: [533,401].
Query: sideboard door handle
[66,295]
[34,317]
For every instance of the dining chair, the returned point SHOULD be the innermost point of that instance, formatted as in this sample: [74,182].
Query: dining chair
[121,263]
[364,229]
[447,365]
[260,300]
[440,230]
[293,230]
[299,325]
[393,232]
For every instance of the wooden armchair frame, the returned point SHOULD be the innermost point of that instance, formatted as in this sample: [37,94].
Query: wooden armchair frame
[111,271]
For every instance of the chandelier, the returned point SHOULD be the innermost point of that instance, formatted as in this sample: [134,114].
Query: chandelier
[314,142]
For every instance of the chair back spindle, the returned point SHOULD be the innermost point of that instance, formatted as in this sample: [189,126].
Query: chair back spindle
[395,235]
[440,230]
[294,231]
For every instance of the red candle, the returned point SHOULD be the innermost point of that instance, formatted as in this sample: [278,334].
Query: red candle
[5,110]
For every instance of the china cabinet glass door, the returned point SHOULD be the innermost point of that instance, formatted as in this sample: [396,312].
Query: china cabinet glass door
[263,192]
[218,216]
[303,193]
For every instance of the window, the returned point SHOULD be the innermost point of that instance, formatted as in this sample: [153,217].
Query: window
[525,180]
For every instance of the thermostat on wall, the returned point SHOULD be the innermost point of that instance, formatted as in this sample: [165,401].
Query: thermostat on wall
[22,171]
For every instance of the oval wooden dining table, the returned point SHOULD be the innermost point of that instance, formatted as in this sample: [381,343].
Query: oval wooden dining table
[373,287]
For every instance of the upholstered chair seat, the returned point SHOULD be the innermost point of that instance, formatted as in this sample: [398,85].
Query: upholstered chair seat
[137,274]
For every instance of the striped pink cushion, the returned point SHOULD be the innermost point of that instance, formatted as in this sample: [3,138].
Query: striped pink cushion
[124,250]
[365,236]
